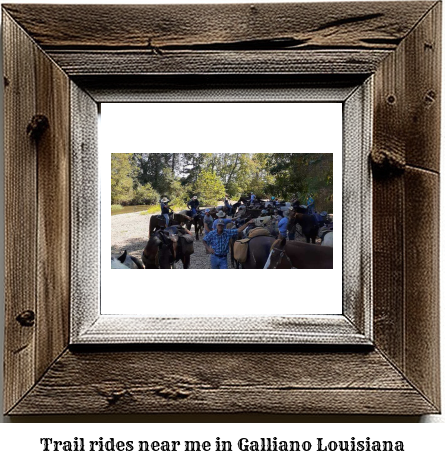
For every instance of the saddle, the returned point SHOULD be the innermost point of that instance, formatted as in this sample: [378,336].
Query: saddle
[241,247]
[186,242]
[258,232]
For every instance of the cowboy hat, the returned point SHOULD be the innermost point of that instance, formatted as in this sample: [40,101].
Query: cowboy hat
[165,200]
[195,197]
[220,214]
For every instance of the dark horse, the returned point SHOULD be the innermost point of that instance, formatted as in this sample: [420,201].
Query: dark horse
[158,221]
[259,249]
[308,223]
[198,223]
[165,248]
[293,254]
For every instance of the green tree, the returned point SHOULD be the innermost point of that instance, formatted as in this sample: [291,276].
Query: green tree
[145,195]
[209,188]
[121,178]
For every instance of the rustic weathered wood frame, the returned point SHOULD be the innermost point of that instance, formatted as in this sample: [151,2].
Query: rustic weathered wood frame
[91,53]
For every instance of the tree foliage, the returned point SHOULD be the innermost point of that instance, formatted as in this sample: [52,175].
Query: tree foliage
[209,188]
[145,177]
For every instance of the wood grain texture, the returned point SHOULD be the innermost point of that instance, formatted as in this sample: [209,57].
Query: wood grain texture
[122,63]
[406,131]
[223,382]
[423,91]
[422,281]
[274,26]
[53,229]
[20,212]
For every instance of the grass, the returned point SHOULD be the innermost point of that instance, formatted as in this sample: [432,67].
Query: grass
[151,210]
[115,208]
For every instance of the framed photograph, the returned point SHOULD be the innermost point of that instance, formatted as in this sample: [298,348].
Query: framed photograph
[353,331]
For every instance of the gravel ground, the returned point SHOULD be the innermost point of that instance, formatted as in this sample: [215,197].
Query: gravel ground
[129,232]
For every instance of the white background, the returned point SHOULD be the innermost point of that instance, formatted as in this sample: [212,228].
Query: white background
[20,442]
[218,128]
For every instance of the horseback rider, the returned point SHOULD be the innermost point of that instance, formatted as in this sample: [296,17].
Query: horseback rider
[193,204]
[310,205]
[252,198]
[165,210]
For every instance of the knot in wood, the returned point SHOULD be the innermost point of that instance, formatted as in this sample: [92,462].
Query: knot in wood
[387,163]
[37,126]
[26,318]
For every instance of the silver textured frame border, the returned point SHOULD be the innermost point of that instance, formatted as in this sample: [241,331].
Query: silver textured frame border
[354,326]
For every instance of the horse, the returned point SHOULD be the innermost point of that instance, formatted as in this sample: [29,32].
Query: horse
[158,221]
[198,223]
[160,251]
[292,254]
[254,212]
[165,248]
[308,223]
[127,261]
[259,249]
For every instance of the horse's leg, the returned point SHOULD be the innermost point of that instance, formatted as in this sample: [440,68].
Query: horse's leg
[186,262]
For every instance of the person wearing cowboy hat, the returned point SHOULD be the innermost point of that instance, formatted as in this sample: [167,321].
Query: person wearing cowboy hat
[263,219]
[165,210]
[220,216]
[193,204]
[217,243]
[252,198]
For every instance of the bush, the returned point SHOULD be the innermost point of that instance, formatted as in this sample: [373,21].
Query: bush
[145,195]
[115,208]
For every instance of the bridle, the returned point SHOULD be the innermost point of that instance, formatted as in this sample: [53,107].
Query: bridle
[282,254]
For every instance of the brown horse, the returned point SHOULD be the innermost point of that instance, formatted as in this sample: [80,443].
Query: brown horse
[158,221]
[160,251]
[308,223]
[259,249]
[294,254]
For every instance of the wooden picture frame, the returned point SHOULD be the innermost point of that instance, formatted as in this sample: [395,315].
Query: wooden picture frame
[56,71]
